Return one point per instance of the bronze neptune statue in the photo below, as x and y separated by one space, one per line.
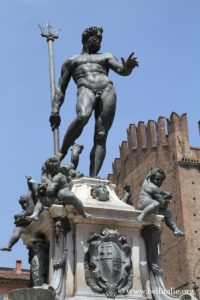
95 92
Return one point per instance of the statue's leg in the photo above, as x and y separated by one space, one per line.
169 221
76 150
104 115
37 210
66 196
14 238
84 108
149 209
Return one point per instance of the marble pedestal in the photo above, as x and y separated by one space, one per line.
68 281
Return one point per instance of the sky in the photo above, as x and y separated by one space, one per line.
164 34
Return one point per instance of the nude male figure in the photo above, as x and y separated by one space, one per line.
95 92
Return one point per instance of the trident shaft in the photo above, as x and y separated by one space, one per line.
50 36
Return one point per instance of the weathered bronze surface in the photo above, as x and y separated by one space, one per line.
128 197
151 235
89 70
54 188
27 202
153 200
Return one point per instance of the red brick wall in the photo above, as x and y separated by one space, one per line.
189 179
165 144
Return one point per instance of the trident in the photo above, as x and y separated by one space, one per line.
50 37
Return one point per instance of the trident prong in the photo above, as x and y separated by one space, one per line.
46 31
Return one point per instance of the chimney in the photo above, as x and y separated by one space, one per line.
18 266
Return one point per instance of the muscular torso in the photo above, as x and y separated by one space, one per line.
90 70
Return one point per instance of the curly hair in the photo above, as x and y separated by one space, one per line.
49 162
91 31
154 171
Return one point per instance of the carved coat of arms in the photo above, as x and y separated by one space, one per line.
108 265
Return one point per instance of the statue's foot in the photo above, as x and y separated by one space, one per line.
87 216
178 232
6 249
77 149
32 218
140 218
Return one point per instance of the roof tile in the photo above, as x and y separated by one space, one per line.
9 273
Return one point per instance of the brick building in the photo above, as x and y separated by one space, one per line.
165 144
13 278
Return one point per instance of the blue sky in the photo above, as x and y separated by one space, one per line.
164 34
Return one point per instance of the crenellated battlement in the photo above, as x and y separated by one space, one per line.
155 134
159 140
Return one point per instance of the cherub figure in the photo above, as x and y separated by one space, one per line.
54 188
27 203
152 200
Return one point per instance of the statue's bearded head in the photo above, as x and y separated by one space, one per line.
91 39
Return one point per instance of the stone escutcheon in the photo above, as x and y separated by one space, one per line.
108 265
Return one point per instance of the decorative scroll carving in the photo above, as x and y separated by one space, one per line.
61 228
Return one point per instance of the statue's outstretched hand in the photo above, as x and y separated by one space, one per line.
54 120
130 63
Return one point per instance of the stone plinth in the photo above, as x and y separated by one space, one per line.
111 215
